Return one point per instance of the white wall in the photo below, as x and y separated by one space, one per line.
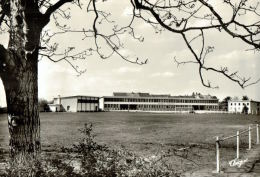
53 107
101 103
71 102
55 101
237 106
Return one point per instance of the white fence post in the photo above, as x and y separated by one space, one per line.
217 155
249 138
257 134
237 144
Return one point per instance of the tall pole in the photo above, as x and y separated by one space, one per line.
249 138
237 144
257 134
217 155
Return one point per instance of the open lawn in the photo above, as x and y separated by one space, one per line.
143 133
123 128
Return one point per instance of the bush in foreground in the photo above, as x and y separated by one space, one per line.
88 158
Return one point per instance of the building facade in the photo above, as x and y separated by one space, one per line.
75 104
149 102
244 106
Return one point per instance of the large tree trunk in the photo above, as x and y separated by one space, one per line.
23 116
19 73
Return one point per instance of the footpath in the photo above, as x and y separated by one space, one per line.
250 167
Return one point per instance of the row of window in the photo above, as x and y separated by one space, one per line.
239 104
86 107
146 106
153 106
155 109
87 101
158 100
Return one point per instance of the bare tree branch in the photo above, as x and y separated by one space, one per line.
5 10
55 7
175 16
166 14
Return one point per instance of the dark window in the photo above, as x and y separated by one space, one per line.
87 101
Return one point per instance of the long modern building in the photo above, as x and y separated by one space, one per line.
150 102
244 106
75 104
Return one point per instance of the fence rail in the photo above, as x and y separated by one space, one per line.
237 135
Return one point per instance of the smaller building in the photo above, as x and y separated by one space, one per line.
75 104
244 106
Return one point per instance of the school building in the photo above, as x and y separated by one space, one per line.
150 102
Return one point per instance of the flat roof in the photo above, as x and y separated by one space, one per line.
164 97
243 101
76 96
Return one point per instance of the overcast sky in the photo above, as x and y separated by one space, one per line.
159 76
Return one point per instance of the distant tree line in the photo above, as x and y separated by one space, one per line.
245 97
3 110
43 105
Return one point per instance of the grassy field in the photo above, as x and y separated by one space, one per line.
143 133
122 128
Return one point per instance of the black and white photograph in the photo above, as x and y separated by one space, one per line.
129 88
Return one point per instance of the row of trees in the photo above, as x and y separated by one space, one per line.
24 22
42 104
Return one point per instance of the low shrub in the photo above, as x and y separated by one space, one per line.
88 158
